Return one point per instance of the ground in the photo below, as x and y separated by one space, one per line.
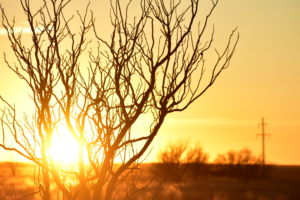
282 183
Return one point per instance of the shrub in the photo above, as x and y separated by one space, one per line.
197 161
242 165
177 159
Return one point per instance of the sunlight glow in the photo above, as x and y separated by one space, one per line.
64 148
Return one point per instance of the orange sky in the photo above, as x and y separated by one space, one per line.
263 80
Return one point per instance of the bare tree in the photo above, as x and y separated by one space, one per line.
227 162
172 161
197 161
242 164
152 63
177 159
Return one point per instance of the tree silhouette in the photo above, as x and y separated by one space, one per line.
197 161
242 164
172 161
151 64
176 159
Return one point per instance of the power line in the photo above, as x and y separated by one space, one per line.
263 134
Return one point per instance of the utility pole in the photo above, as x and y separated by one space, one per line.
263 134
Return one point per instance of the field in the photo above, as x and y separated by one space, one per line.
282 183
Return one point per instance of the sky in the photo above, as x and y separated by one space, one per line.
262 81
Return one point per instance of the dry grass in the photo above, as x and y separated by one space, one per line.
283 184
18 185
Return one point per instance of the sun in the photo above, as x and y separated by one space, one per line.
64 148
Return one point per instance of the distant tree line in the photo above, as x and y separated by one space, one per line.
240 164
178 161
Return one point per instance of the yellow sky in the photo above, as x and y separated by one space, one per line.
263 80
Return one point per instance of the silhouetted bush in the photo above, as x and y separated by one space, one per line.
196 161
172 165
242 165
177 159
